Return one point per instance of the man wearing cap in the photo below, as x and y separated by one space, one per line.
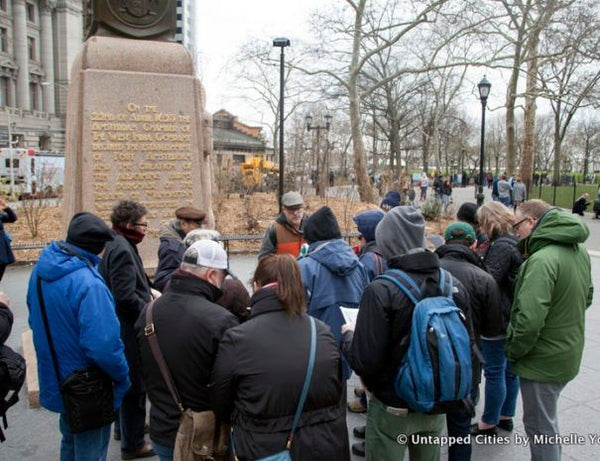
83 326
171 248
189 326
285 235
381 336
458 258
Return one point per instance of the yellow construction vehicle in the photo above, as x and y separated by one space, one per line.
254 170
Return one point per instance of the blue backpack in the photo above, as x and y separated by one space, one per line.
435 373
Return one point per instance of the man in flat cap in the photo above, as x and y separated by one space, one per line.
83 326
285 235
171 248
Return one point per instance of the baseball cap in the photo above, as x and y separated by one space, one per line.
460 231
207 253
292 198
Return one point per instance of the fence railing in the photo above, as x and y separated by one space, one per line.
226 239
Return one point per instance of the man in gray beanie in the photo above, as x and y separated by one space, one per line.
381 337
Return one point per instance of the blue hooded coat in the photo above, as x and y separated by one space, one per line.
83 324
332 276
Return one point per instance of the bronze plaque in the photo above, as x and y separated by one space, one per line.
135 18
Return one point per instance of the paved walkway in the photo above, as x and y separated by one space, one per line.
33 433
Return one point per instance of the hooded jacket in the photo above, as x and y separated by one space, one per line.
7 215
261 395
545 336
332 276
82 321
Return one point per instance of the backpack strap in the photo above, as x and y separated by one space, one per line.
404 282
446 283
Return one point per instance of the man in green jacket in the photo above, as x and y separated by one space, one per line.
546 332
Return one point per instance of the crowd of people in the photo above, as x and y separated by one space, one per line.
261 374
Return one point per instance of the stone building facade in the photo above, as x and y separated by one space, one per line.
39 40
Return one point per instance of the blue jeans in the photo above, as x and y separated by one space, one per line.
164 453
90 445
458 422
501 385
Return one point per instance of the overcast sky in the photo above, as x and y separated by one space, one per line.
224 26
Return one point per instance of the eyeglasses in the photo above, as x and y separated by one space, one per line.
517 224
141 224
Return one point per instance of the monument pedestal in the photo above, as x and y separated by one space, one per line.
136 130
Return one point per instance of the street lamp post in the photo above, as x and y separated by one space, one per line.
281 42
484 90
324 174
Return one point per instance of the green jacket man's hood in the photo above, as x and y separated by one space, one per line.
555 226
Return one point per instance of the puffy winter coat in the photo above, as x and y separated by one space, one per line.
502 260
6 255
282 237
546 332
332 276
82 321
170 253
258 378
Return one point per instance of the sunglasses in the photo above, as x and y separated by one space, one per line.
517 224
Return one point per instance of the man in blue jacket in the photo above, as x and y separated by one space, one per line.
83 326
331 273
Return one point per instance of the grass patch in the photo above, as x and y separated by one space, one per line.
565 195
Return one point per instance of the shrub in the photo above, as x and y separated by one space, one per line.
431 209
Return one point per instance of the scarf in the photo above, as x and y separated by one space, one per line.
132 235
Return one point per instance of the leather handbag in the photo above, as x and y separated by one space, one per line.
284 455
88 394
200 436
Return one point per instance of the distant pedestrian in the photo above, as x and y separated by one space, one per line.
83 328
581 204
123 270
446 194
546 332
423 185
285 235
261 396
519 193
504 191
7 215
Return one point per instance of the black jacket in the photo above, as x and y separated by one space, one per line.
464 264
6 322
170 255
382 332
124 274
188 326
502 260
258 379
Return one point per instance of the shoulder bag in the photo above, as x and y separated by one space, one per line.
284 455
200 436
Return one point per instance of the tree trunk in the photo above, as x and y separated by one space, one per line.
530 111
365 190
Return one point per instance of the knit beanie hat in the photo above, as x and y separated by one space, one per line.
321 225
401 230
367 222
392 199
467 213
88 232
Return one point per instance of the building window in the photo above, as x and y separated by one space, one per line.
31 48
34 96
30 12
237 159
3 39
44 142
4 91
3 5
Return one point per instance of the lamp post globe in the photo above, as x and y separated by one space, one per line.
484 87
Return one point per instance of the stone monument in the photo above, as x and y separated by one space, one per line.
136 124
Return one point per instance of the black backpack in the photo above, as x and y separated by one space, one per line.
12 377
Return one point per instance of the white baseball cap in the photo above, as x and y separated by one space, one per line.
206 253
